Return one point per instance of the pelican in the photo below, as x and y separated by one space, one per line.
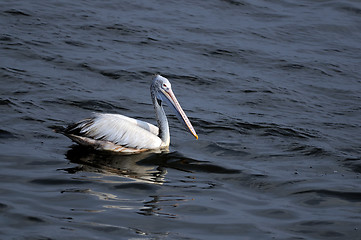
118 133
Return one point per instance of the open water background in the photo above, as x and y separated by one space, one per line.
273 89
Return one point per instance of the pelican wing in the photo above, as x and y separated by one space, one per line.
119 130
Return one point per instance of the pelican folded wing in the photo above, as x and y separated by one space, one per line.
120 130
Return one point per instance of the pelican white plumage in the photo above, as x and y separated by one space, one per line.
115 132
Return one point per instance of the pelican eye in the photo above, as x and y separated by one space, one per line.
164 85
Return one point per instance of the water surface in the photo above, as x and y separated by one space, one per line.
271 87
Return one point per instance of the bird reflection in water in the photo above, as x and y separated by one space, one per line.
147 166
143 168
137 167
158 203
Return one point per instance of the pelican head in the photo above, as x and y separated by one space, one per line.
162 90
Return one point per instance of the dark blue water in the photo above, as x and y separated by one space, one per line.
273 89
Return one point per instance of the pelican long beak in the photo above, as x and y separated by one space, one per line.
172 101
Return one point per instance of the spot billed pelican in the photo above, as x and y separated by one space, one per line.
118 133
